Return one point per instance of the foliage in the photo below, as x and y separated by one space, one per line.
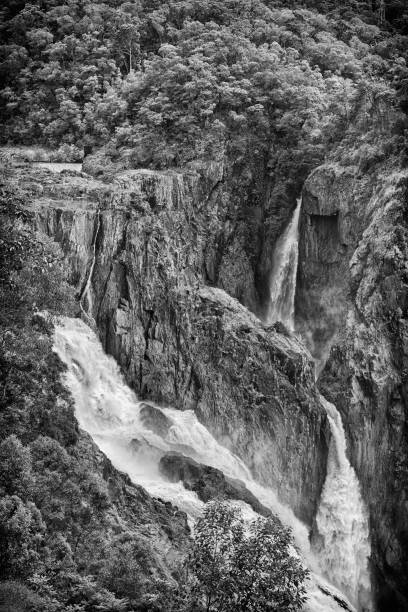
15 468
269 87
239 567
17 597
52 509
21 534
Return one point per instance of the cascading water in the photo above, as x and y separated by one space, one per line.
87 291
341 538
282 285
110 412
342 534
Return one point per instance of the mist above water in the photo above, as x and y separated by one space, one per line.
341 539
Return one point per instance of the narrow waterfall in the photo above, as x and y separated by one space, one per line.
282 284
87 293
342 541
112 414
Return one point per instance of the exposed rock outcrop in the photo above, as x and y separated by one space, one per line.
208 482
334 216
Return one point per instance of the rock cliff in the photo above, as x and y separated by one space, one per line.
352 302
148 240
159 273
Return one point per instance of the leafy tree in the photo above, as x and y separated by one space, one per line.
124 570
17 597
243 568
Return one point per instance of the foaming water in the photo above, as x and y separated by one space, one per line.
111 413
282 285
342 539
341 534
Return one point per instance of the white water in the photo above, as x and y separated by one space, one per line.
343 545
341 541
111 413
282 284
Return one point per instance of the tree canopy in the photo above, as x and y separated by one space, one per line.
162 84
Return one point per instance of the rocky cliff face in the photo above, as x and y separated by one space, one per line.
150 241
352 300
154 256
334 216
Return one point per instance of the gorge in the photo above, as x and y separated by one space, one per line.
108 246
204 306
109 411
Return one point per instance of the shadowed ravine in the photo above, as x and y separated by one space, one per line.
109 410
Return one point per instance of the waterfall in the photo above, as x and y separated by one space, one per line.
86 293
342 533
111 413
282 286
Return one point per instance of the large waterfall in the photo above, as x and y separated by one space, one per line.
341 538
282 284
111 413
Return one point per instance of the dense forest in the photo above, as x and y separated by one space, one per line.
275 84
165 83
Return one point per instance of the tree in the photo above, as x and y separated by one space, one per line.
15 468
241 568
21 535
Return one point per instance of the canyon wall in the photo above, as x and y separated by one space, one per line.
179 341
162 268
352 308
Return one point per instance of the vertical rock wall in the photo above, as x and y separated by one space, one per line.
352 300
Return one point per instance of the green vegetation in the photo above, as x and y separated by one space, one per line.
49 502
59 526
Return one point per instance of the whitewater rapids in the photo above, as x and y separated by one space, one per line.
110 412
